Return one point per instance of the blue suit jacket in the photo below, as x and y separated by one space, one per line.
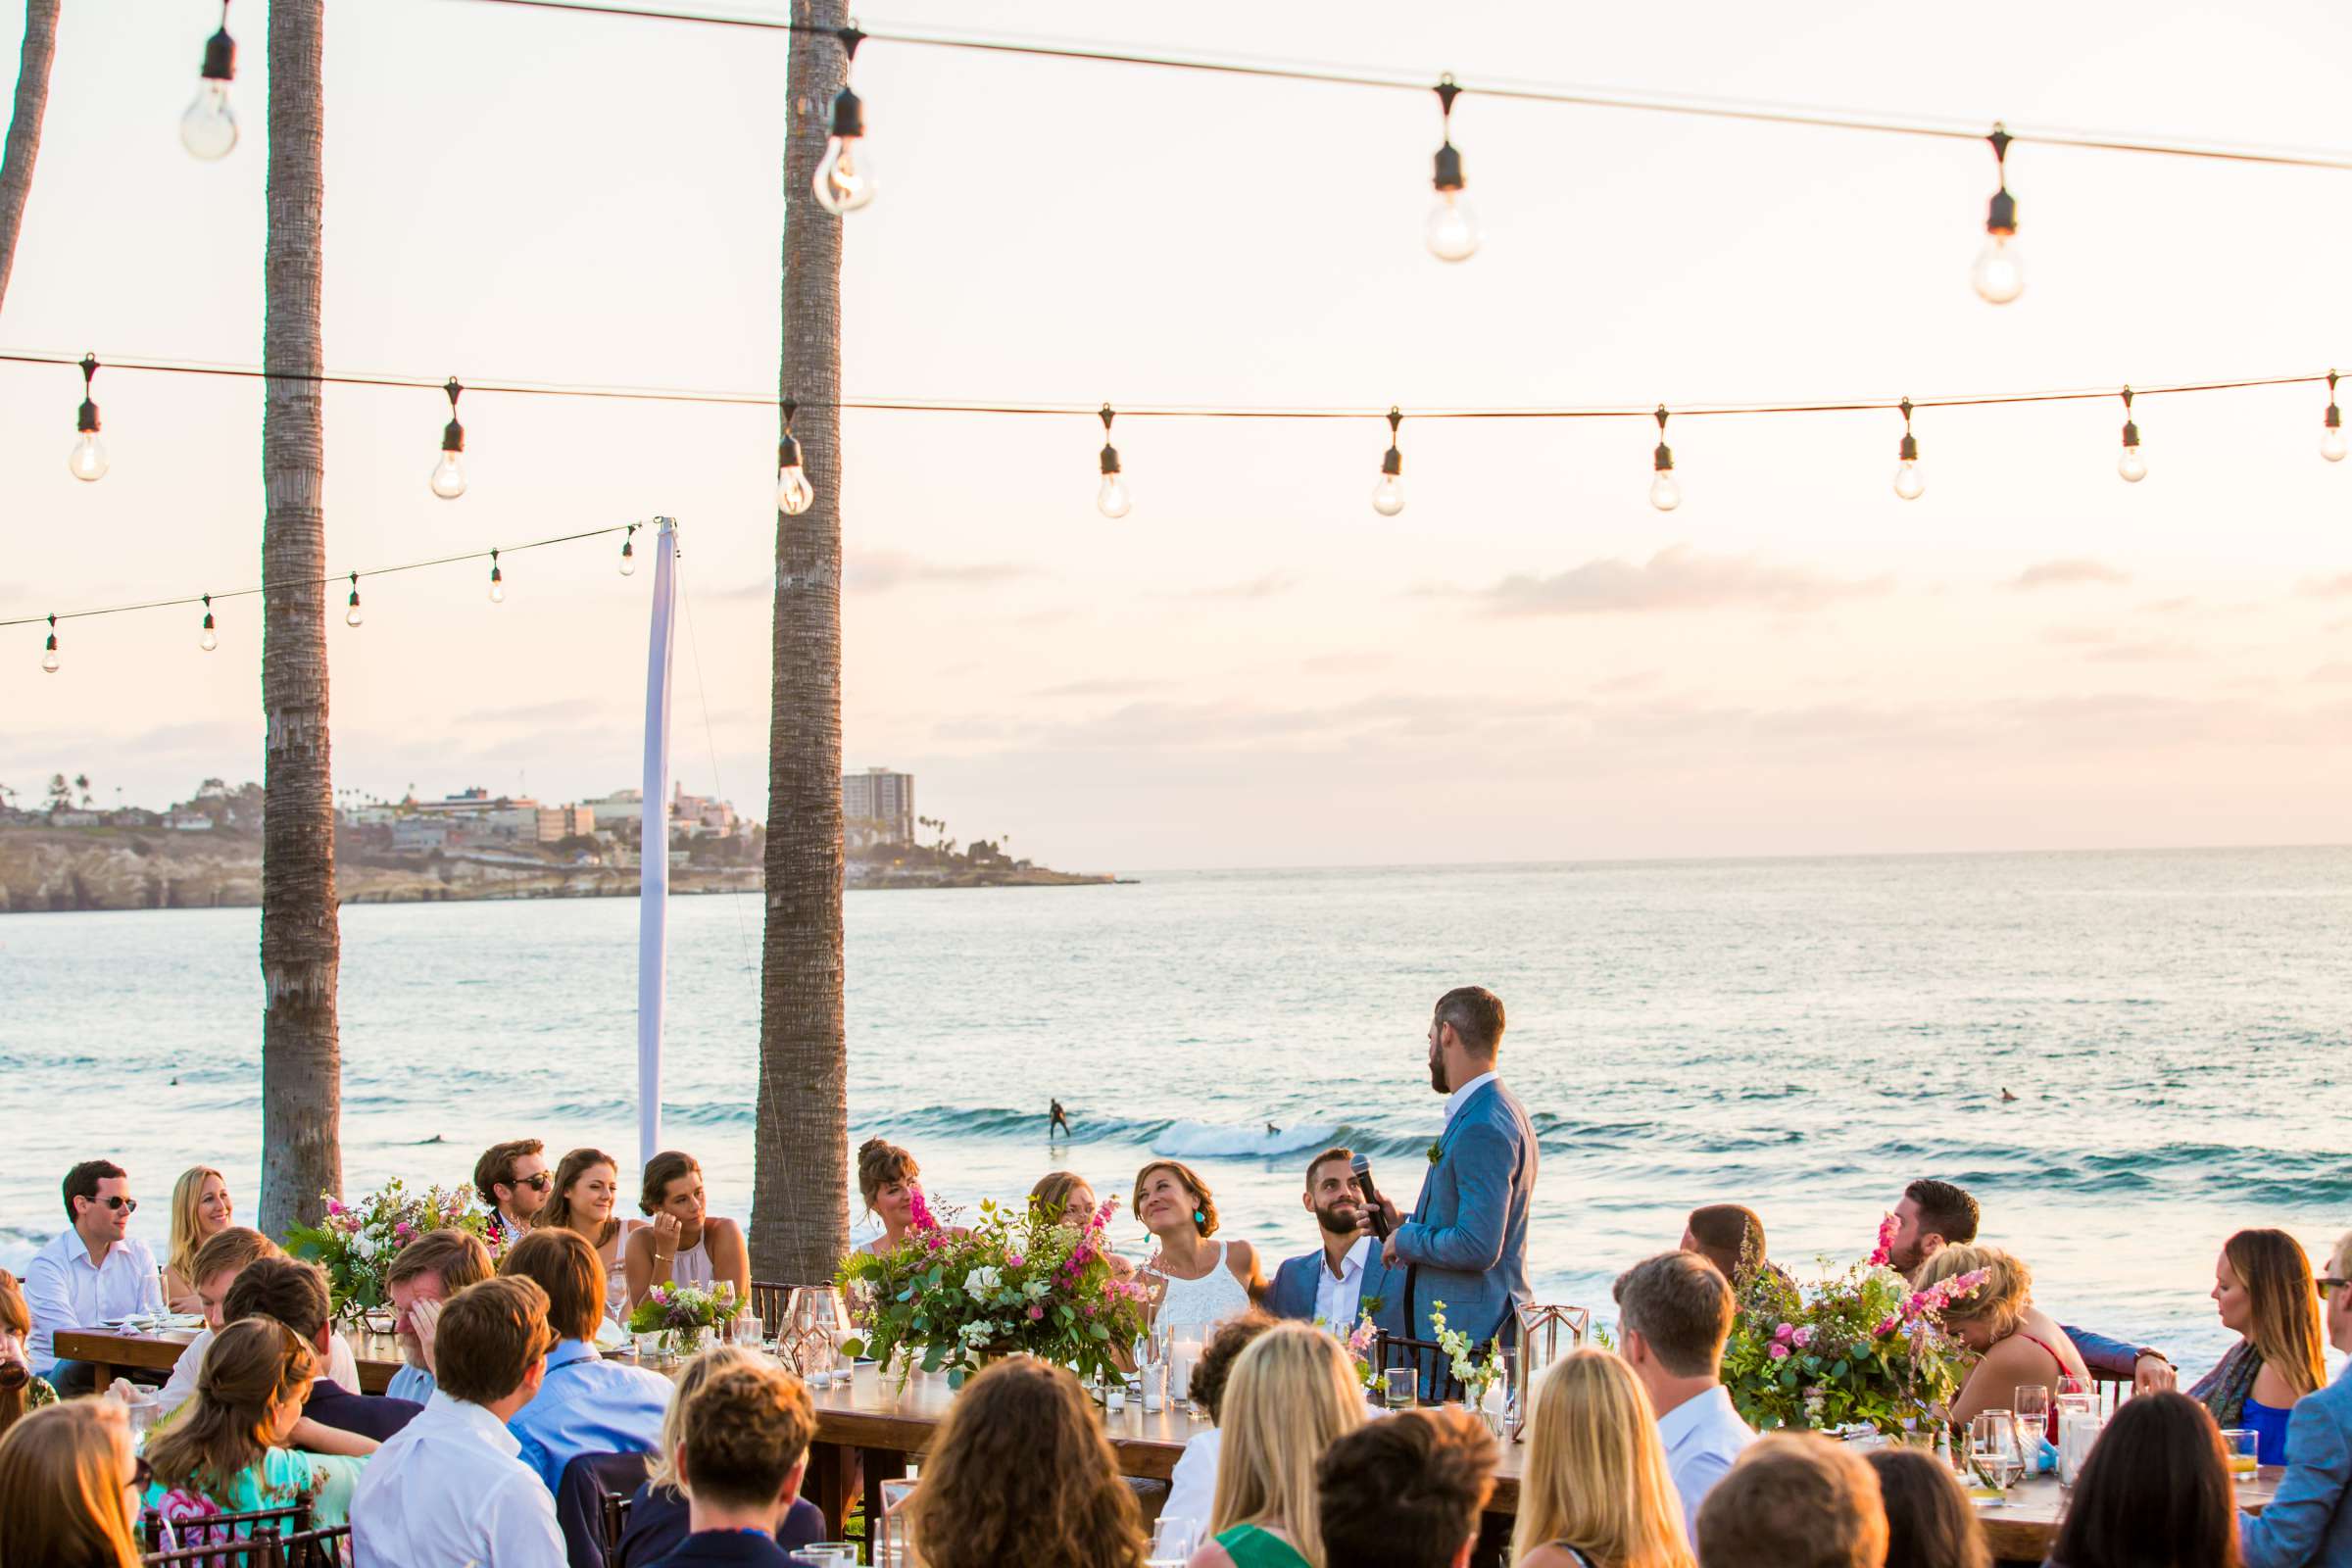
2310 1519
1292 1292
1467 1238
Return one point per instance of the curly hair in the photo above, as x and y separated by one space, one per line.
1216 1365
1020 1472
879 1163
1999 1303
1204 1202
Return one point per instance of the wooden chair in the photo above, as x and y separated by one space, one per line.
258 1549
767 1303
314 1548
617 1523
1424 1356
2109 1392
221 1527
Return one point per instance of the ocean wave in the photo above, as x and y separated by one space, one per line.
1195 1140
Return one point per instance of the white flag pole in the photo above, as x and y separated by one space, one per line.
652 892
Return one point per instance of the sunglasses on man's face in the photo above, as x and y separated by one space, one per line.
128 1206
538 1184
2328 1287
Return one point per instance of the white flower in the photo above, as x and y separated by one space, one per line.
363 1244
980 1283
1036 1289
978 1334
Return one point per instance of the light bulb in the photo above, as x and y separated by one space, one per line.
498 587
2131 466
2331 443
1664 492
1451 233
449 477
1111 498
794 493
845 180
209 129
1999 274
351 616
1909 482
208 639
628 558
1387 496
49 659
89 460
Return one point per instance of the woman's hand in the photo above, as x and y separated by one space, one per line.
665 1239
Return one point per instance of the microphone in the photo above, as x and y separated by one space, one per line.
1361 1167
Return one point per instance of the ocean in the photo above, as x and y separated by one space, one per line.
1803 1035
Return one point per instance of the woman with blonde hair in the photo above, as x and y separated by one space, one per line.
1020 1472
1289 1395
227 1452
587 1190
72 1481
2263 1289
1595 1491
2017 1344
200 1209
657 1513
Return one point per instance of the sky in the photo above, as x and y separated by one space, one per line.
1252 667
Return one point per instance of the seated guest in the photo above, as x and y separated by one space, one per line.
512 1180
90 1273
227 1452
216 1267
1794 1501
2262 1285
425 1273
295 1293
200 1210
739 1461
587 1188
2154 1494
1063 1193
1728 1236
657 1513
1407 1492
2016 1343
1595 1492
20 1393
1673 1313
683 1244
586 1404
1929 1523
1191 1489
889 1181
1020 1472
1196 1279
2309 1518
1291 1394
72 1484
448 1487
1336 1281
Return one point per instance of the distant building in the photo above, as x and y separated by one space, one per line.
700 816
183 820
620 810
565 822
878 807
421 833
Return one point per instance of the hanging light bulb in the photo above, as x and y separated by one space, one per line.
351 615
1999 274
1451 233
628 552
1909 482
2331 436
449 475
208 639
2131 466
49 658
88 460
845 180
1110 497
498 581
208 129
794 493
1387 496
1664 492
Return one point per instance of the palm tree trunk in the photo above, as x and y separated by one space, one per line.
24 126
302 1064
800 1184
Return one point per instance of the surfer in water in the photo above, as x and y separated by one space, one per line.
1273 1131
1060 1123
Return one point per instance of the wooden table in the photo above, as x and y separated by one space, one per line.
2025 1527
113 1351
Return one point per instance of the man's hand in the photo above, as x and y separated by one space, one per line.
1363 1217
422 1316
1388 1253
2153 1374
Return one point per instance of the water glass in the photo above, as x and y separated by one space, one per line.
746 1330
1993 1454
2078 1430
829 1554
2033 1412
1398 1384
1155 1378
2243 1445
893 1535
1173 1541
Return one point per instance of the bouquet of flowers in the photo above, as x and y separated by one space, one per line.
679 1313
1016 1281
356 1242
1475 1376
1860 1347
1357 1343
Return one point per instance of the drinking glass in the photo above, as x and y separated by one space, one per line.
1173 1541
1397 1386
746 1330
892 1538
1993 1452
829 1554
2078 1430
2243 1445
1154 1376
2033 1413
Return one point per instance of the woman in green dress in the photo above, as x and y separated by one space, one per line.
226 1454
1289 1394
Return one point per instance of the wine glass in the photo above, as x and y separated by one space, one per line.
1173 1541
1993 1452
2033 1413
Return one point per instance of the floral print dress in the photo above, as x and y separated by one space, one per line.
283 1478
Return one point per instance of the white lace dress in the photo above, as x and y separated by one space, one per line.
1207 1300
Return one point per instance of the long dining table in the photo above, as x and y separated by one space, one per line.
869 1429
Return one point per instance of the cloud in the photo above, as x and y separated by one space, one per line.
1101 688
1676 578
1265 587
2334 587
2073 571
571 707
878 571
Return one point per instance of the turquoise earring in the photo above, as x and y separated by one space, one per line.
1200 1218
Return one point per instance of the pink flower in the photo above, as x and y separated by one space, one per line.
1885 1252
1087 1308
1803 1337
1012 1260
1780 1352
1783 1332
1888 1325
921 1210
1036 1312
334 1205
1111 1206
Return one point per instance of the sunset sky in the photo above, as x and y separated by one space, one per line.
1250 667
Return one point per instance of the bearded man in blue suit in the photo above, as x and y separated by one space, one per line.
1346 1277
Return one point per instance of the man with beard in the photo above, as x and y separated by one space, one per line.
1346 1276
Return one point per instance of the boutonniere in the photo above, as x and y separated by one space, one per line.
1436 1146
1372 1304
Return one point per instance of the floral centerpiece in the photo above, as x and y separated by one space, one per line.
1858 1348
1358 1343
356 1242
948 1298
1476 1377
686 1316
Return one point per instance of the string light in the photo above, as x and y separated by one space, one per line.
1664 492
88 460
498 581
1999 274
1110 497
351 615
449 475
2331 436
1909 482
845 180
49 658
1387 496
628 552
1451 233
2131 466
794 493
208 639
209 130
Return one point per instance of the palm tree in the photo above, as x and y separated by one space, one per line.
301 1065
24 126
801 1179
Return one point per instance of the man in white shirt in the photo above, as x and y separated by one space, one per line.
447 1488
92 1272
1673 1311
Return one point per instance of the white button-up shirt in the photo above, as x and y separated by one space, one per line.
65 1289
1703 1436
1455 1100
447 1488
1336 1298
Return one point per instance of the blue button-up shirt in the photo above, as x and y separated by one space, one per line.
587 1404
411 1383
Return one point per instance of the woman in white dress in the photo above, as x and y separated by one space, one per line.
684 1244
1193 1279
587 1190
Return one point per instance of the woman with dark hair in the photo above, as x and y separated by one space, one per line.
1929 1521
2154 1494
73 1482
684 1244
20 1393
1064 1194
890 1181
1728 1236
2262 1286
587 1190
1194 1280
1020 1472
